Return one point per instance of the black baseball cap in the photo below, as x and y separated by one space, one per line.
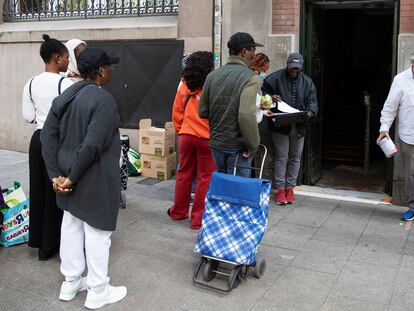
295 60
241 40
91 59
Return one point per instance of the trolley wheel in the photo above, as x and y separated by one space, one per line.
259 267
235 276
208 273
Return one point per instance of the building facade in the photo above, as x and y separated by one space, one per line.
352 50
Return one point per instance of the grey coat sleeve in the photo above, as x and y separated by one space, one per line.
102 126
311 101
49 137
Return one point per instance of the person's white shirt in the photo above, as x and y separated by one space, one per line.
45 87
400 101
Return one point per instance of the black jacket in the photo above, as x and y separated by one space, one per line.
278 83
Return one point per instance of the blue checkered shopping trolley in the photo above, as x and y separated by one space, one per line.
234 223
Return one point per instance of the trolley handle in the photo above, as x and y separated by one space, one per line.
252 168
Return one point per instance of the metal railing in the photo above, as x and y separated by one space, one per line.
29 10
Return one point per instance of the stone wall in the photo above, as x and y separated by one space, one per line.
195 24
20 43
20 60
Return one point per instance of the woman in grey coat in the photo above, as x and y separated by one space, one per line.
81 152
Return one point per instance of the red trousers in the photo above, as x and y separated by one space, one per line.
195 159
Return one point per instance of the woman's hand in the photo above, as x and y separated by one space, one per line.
62 184
65 182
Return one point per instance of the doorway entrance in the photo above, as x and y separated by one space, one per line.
349 50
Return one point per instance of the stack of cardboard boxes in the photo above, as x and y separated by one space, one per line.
157 148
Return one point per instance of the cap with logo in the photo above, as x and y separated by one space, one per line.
295 60
241 40
91 59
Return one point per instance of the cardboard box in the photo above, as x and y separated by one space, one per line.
158 167
155 140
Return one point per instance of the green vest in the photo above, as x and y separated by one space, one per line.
225 87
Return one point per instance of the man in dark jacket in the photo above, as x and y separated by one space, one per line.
297 90
228 101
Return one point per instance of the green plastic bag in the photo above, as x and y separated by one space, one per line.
13 196
134 163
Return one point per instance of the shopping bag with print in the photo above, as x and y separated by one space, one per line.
15 225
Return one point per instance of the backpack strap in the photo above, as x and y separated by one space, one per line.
69 101
186 101
30 89
60 85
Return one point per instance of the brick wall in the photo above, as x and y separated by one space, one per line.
285 16
407 16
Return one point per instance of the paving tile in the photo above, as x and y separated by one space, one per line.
339 232
43 278
402 298
317 202
372 253
409 249
14 299
389 211
21 254
349 304
387 238
351 215
343 226
290 236
358 208
275 216
251 291
297 289
364 281
276 255
309 215
323 256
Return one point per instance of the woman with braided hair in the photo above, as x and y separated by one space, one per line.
260 66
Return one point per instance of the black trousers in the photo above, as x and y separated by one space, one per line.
45 217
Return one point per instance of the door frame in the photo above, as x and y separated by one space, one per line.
305 48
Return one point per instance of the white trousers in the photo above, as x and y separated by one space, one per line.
82 243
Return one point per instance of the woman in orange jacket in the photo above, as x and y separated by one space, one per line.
195 157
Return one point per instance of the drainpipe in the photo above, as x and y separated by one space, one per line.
367 140
217 17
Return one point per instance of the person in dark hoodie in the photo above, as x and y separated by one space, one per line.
81 152
297 90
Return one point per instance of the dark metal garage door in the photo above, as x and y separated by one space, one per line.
145 81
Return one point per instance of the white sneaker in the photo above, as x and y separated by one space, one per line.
111 294
68 290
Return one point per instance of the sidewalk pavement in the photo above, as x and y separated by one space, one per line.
321 255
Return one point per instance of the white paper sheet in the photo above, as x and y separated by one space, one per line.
282 106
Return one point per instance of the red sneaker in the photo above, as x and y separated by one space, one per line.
281 196
290 196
